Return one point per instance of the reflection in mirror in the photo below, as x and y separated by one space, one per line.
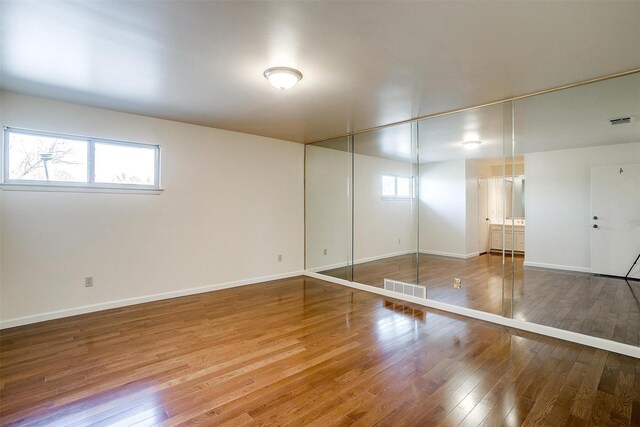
581 151
457 220
516 210
385 214
462 208
511 232
328 223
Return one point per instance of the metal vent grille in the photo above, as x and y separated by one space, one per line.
405 288
621 120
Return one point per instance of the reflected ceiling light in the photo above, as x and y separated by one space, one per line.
282 77
471 145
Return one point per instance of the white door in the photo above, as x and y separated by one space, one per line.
615 219
483 215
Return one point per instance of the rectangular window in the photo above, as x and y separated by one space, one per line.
397 187
42 158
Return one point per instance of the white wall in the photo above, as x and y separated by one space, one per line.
471 200
449 208
328 208
379 224
558 203
1 210
231 203
443 208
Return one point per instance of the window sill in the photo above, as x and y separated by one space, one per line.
79 189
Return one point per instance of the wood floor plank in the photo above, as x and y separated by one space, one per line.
301 351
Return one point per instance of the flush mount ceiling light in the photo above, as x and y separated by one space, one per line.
283 77
471 145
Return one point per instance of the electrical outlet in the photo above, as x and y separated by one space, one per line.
457 283
279 258
88 282
325 251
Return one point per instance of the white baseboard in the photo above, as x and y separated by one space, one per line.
451 254
562 334
35 318
557 267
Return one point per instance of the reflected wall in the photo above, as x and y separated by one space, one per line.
385 206
328 208
462 206
582 209
527 209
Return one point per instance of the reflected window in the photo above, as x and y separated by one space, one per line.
397 187
403 187
388 186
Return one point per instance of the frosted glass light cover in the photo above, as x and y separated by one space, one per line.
471 145
283 77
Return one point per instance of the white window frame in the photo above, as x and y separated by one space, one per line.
90 182
395 184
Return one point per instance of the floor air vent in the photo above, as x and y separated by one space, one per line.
405 288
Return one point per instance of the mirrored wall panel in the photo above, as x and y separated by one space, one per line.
385 208
463 201
527 209
581 149
328 208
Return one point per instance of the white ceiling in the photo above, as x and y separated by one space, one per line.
441 138
364 63
571 118
579 117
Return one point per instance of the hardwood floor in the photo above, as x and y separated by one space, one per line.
303 352
604 307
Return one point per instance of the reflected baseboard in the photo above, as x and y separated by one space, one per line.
556 267
328 267
391 255
360 261
600 343
451 254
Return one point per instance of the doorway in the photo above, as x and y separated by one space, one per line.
615 220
